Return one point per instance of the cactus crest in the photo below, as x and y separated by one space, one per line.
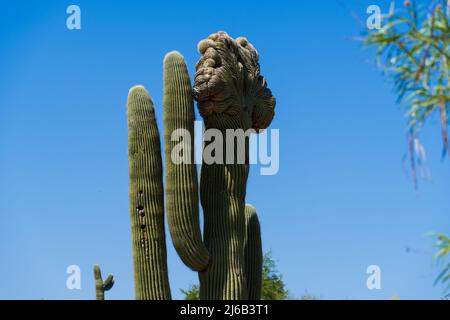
228 84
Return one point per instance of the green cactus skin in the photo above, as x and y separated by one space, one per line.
146 199
230 94
181 178
100 285
253 254
222 195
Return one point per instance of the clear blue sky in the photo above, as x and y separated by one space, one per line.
341 201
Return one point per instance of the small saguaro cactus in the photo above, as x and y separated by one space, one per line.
102 285
231 94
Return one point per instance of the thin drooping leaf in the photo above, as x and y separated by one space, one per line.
412 49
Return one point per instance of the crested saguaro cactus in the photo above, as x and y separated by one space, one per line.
102 285
231 95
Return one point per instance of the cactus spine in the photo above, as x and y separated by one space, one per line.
253 254
102 285
181 177
146 199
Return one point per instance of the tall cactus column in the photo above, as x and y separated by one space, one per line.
146 199
181 171
231 95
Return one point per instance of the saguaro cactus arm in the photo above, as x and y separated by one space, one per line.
102 285
253 253
181 171
146 199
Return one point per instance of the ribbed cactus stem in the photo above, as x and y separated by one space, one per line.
146 199
222 194
102 285
181 171
253 254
